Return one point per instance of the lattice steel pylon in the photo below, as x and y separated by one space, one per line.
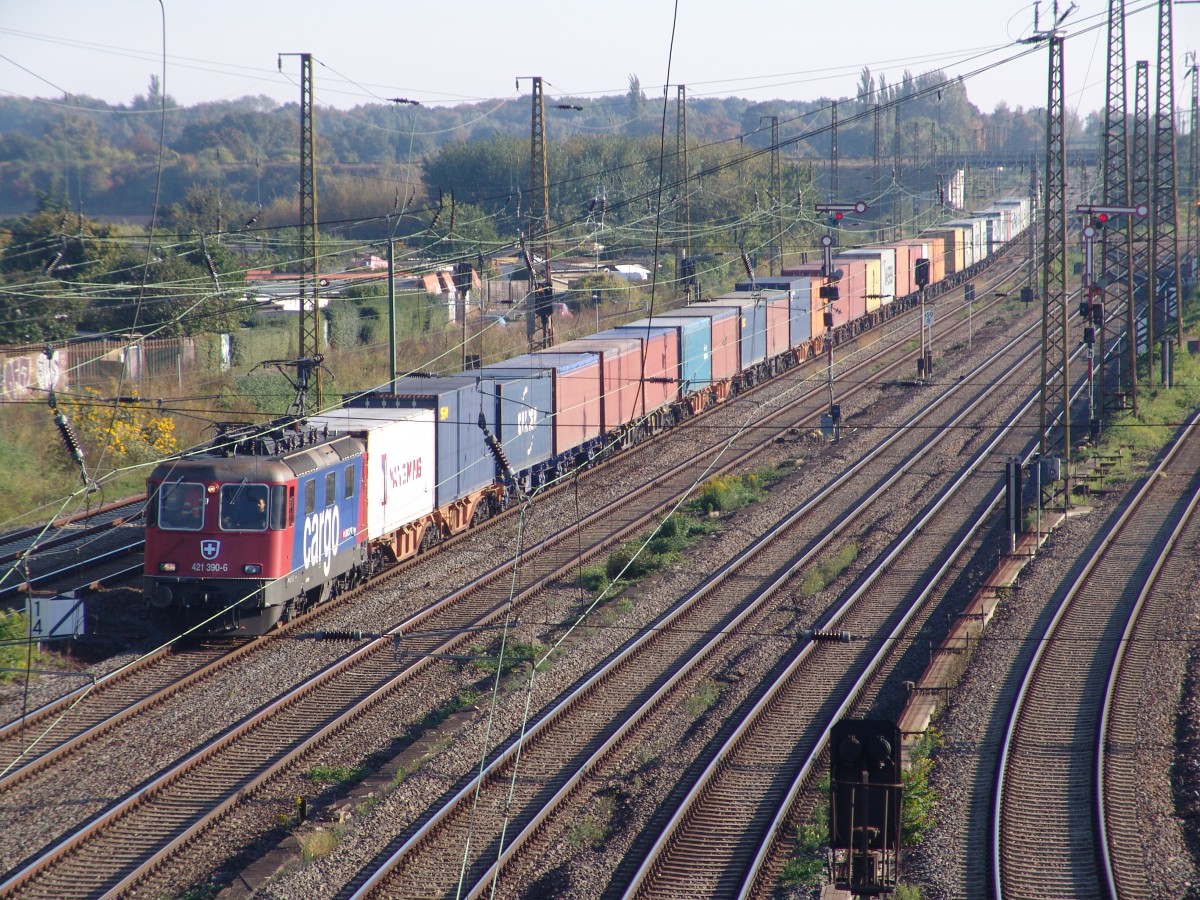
309 351
1165 282
684 210
1055 358
776 201
1117 239
834 188
539 218
1139 227
1193 191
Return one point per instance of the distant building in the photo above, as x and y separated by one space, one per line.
369 261
630 272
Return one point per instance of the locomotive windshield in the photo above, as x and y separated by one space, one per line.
181 506
244 507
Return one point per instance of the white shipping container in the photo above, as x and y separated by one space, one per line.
400 463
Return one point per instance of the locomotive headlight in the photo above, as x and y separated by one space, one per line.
252 568
167 567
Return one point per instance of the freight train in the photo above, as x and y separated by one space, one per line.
271 520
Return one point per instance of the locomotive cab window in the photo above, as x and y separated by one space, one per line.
349 482
310 496
181 506
279 507
330 488
244 507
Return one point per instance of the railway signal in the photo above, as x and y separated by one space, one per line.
1091 301
835 211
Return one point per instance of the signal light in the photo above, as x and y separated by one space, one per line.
1099 220
921 272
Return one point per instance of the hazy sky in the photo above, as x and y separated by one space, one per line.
442 52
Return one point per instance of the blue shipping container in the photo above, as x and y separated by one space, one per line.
524 407
464 463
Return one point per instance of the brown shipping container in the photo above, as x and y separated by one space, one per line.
948 245
872 290
725 325
852 302
661 367
620 376
779 327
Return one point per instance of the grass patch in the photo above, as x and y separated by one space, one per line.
206 891
725 493
593 830
323 774
319 843
827 570
708 692
516 655
1160 410
637 559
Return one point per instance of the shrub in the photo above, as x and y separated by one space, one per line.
15 652
123 432
916 813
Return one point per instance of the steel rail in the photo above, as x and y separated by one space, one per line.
1107 542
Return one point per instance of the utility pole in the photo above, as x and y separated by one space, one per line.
1193 192
541 291
1140 229
1116 247
829 293
1056 358
1164 242
776 199
1091 306
876 187
310 306
684 210
834 189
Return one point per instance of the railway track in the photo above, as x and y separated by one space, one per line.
496 814
433 625
1061 820
49 556
138 687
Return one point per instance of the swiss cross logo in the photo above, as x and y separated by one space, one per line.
210 549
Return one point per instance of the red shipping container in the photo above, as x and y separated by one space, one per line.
779 329
852 291
661 355
620 377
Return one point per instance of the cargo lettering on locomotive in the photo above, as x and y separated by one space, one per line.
322 533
